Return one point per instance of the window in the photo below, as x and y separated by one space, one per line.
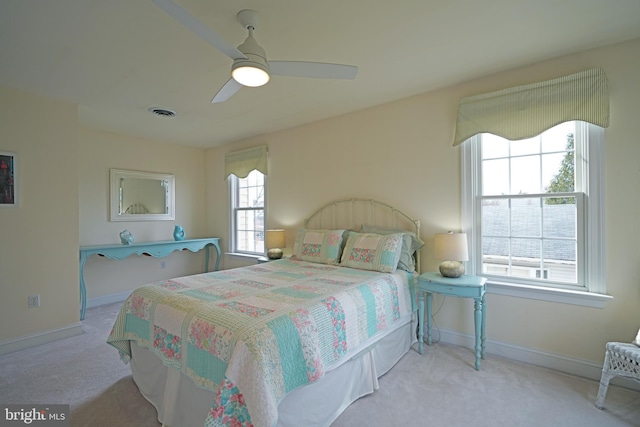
247 213
533 208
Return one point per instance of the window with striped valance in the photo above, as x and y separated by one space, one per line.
525 111
241 163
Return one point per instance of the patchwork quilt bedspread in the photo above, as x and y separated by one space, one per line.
253 334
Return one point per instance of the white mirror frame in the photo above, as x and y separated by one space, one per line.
116 175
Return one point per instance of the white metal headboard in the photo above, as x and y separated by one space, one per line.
351 214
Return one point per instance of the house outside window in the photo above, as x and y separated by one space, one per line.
247 213
533 208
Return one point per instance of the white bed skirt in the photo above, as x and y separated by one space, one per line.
181 404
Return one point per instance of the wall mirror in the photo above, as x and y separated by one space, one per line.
141 196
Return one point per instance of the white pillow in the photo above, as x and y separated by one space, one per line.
637 340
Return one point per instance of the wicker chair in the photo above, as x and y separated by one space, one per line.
621 359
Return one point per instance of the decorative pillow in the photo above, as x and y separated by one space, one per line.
410 244
637 340
320 246
369 251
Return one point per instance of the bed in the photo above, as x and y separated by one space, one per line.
290 342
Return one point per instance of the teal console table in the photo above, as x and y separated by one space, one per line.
154 249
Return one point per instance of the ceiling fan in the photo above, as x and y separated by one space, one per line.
250 66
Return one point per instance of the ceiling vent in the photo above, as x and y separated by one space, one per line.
162 112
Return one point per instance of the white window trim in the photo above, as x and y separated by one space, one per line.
594 227
233 182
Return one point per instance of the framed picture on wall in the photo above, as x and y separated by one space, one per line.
8 179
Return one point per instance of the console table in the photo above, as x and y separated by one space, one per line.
154 249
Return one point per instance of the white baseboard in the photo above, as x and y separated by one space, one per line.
28 341
107 299
577 367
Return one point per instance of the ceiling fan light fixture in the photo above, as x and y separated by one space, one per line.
249 73
250 66
253 70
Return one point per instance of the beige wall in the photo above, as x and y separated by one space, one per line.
98 152
401 153
64 184
39 239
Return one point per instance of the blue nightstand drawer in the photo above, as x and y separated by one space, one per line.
451 290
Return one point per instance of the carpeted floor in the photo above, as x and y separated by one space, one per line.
439 388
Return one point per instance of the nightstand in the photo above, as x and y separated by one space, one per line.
465 287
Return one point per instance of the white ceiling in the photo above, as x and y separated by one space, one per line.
118 58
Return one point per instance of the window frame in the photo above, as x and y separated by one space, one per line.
590 159
233 208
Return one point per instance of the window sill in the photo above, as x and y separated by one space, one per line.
244 256
585 299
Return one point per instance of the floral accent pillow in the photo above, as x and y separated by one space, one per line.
410 244
320 246
370 251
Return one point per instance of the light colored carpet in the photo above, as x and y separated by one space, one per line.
439 388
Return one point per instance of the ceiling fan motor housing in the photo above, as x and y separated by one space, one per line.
255 58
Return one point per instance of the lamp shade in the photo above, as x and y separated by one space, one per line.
275 239
451 247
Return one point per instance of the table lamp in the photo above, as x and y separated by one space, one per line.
451 248
275 241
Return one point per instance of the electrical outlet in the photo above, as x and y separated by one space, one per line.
34 301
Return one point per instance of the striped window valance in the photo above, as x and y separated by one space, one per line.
241 163
525 111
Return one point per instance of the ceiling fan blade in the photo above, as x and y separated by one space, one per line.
205 33
226 91
316 70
